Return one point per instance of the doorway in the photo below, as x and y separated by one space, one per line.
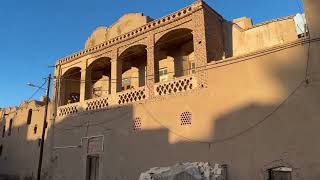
93 168
280 173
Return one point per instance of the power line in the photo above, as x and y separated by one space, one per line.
198 68
35 93
299 5
237 134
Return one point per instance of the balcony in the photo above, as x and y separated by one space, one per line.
178 85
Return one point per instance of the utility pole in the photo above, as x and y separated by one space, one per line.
44 128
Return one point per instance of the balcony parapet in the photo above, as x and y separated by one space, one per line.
97 103
177 85
68 109
132 95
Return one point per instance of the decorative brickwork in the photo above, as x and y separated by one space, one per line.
186 118
98 103
68 109
179 85
132 95
190 18
137 124
141 30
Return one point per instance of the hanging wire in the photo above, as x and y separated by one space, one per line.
197 69
32 96
259 122
217 140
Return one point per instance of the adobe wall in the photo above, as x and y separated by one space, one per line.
245 113
242 41
20 153
125 24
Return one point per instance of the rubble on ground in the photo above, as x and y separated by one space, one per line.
186 171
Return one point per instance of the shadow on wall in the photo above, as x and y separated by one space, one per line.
250 139
20 155
127 150
228 37
257 137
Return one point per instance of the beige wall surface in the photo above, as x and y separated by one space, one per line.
262 36
20 152
126 23
257 113
251 112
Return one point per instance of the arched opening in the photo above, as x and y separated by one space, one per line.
98 80
133 62
174 55
70 86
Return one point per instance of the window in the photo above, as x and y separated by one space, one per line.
126 83
280 173
3 130
1 149
29 116
10 127
35 129
163 74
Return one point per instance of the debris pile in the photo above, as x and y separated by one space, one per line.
186 171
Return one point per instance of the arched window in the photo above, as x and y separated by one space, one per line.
174 56
98 81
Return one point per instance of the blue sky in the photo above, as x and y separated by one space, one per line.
34 34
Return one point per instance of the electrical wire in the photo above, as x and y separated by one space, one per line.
203 67
299 5
266 117
215 141
33 94
98 124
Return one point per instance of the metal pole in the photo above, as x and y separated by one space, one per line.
44 129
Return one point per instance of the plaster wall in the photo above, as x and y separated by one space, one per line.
20 153
251 113
229 113
125 24
262 36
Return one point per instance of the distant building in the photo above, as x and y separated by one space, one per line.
187 87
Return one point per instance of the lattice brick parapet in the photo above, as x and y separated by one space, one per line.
132 95
68 109
98 103
178 85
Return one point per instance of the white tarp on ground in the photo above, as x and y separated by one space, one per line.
185 171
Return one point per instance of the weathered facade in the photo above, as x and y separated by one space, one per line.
21 129
189 87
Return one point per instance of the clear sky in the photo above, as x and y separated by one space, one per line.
35 33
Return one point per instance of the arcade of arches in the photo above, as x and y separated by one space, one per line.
173 57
